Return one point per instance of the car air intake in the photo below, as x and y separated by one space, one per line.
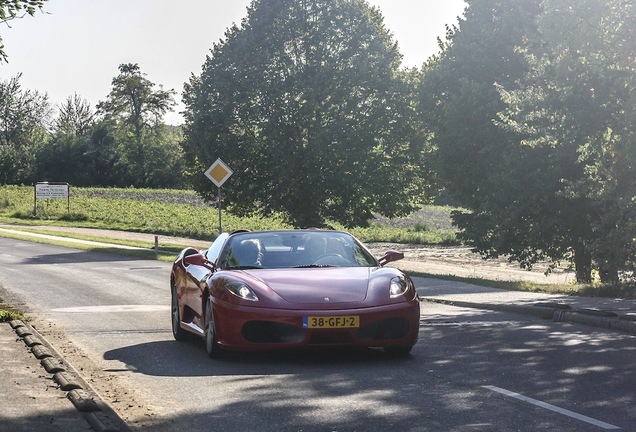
271 332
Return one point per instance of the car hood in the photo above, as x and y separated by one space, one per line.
318 285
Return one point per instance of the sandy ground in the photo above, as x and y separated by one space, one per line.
461 261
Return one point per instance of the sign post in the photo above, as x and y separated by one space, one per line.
218 172
51 190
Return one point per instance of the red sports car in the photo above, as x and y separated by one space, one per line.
292 288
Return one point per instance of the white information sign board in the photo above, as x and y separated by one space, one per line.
51 191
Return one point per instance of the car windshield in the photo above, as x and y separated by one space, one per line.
294 249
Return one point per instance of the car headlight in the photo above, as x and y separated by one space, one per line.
241 290
398 286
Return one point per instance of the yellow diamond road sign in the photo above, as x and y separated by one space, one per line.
218 172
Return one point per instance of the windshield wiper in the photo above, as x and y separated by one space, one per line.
314 266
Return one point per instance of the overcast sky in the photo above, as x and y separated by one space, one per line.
77 46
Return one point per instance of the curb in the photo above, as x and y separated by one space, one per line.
557 312
609 320
94 410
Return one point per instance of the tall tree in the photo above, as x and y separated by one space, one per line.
15 9
23 131
577 107
306 102
135 110
477 163
542 153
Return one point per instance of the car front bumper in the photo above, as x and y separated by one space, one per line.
253 328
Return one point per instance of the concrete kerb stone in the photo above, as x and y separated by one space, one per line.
556 312
66 381
608 321
537 311
82 400
100 417
52 365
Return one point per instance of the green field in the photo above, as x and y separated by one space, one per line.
183 214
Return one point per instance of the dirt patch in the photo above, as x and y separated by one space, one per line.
461 261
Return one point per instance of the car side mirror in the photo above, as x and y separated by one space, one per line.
390 256
199 260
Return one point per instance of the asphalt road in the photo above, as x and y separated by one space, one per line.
472 370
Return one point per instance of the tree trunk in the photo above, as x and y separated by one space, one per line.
582 264
609 275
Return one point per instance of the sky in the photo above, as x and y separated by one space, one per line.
76 46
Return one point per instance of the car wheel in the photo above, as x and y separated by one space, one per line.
211 346
398 351
178 333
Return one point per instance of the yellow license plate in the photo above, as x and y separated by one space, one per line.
327 322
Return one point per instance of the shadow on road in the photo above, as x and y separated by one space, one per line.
189 359
104 255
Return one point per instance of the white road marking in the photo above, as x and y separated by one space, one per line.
113 308
550 407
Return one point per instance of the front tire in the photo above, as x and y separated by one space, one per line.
178 333
211 347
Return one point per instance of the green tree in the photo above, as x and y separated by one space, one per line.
477 163
103 156
15 9
578 108
23 131
75 117
532 114
306 102
82 151
134 111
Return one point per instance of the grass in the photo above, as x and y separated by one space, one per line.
184 214
9 314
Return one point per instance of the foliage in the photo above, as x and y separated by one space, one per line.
576 109
12 9
474 159
9 314
125 143
537 94
90 158
148 152
458 98
75 117
305 102
23 118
